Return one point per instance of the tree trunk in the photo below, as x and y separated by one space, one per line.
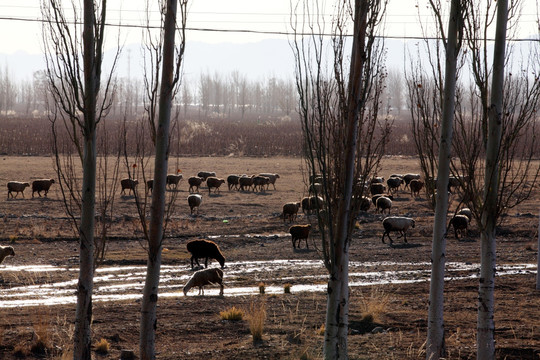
83 316
485 325
150 292
538 256
435 347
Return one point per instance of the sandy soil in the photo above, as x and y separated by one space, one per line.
191 328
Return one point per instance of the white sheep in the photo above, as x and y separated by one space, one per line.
272 178
384 203
398 224
205 277
194 201
290 211
17 187
41 185
6 251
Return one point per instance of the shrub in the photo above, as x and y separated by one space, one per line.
373 305
232 314
102 346
256 319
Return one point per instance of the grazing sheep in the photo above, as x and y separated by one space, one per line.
299 232
206 174
467 212
376 180
259 182
150 185
17 187
398 224
205 249
408 177
6 251
364 203
290 211
232 181
457 181
214 182
205 277
312 203
377 188
393 184
384 203
272 178
245 182
315 189
173 180
41 185
194 201
459 222
416 185
375 197
194 183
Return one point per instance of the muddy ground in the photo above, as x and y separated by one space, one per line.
248 227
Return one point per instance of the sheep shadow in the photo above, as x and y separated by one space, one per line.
215 195
127 197
404 246
302 251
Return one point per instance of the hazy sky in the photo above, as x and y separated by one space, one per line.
255 15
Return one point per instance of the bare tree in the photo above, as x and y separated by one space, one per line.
435 348
170 77
338 106
74 55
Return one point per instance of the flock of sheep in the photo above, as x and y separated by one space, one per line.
37 186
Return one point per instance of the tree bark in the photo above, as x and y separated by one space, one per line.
538 256
83 317
435 347
485 324
150 292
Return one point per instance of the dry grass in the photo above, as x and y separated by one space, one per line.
232 314
102 346
262 288
373 305
287 288
256 318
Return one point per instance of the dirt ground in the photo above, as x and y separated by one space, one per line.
191 327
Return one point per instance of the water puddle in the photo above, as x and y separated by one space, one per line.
125 283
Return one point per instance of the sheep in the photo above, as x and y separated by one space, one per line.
397 223
394 183
17 187
205 277
214 182
150 185
315 188
173 180
299 232
376 188
384 203
232 181
129 184
408 177
459 222
206 174
311 203
41 185
194 201
194 183
6 251
205 249
245 182
416 185
465 211
272 178
260 181
290 211
376 180
364 203
375 197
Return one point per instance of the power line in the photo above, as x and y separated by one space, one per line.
249 31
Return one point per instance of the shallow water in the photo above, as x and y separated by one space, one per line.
122 283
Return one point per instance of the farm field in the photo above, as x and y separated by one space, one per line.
253 237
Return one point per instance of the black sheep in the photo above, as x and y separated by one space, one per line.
205 249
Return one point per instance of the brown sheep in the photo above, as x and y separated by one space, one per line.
129 184
300 232
41 185
232 181
377 188
194 183
245 182
214 182
416 185
206 174
272 177
461 223
290 211
173 180
150 186
204 249
17 187
260 181
205 277
6 251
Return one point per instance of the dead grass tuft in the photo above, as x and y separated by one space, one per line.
373 305
233 314
256 318
102 346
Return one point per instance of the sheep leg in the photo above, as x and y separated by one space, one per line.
206 262
293 243
307 246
